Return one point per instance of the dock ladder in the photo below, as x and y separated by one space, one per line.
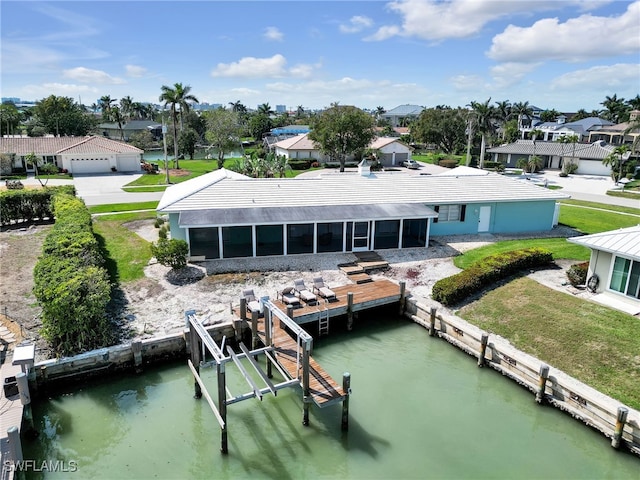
323 322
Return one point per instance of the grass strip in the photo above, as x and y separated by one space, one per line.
595 344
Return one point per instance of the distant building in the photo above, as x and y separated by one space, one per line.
402 114
281 109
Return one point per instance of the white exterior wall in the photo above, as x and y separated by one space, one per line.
593 167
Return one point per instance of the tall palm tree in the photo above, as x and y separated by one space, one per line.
485 116
126 107
503 114
579 115
238 107
634 103
615 108
522 110
535 134
178 99
105 103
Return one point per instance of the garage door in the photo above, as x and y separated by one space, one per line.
593 167
128 163
90 165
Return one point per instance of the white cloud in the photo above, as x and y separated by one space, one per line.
135 71
60 89
577 39
245 91
87 75
466 82
273 34
604 76
437 20
252 67
511 73
356 24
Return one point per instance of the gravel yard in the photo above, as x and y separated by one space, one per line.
155 305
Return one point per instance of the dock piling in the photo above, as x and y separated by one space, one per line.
403 298
222 406
349 311
346 386
432 322
194 347
15 447
254 330
483 349
621 419
542 382
136 348
25 400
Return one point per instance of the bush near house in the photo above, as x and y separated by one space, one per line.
577 274
456 288
171 253
448 163
17 206
70 282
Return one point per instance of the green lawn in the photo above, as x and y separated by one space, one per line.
595 344
127 253
122 207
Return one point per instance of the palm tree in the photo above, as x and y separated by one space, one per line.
634 103
238 107
265 109
115 115
105 103
579 115
535 133
484 115
503 113
615 108
299 112
634 126
522 110
616 160
126 107
176 98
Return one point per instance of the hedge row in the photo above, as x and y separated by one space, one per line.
18 206
454 289
71 284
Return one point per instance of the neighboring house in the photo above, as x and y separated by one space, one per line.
588 156
615 134
301 147
402 114
614 267
111 130
223 214
77 155
393 151
552 131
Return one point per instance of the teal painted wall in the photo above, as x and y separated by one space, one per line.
176 232
509 217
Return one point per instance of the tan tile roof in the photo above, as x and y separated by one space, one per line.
299 142
57 145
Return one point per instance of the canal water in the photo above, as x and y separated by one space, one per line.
419 409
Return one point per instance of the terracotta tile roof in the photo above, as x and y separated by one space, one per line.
57 145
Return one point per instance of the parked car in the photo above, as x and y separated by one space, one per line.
412 164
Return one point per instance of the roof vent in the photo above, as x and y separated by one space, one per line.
364 168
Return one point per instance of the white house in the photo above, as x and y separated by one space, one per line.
301 147
614 267
77 155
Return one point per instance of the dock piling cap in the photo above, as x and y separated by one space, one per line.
24 355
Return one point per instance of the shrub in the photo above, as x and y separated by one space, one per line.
171 253
299 164
577 274
14 185
162 233
448 163
454 289
70 283
158 223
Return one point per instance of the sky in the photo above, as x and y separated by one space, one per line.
562 54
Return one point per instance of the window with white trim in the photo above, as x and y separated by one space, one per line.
450 213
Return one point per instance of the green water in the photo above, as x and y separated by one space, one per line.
420 408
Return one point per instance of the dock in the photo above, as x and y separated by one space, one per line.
365 296
324 390
11 411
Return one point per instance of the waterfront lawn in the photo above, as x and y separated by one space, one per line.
127 253
595 344
586 217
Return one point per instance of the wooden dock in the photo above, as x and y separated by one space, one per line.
11 412
365 296
324 390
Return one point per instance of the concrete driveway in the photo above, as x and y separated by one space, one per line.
100 189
